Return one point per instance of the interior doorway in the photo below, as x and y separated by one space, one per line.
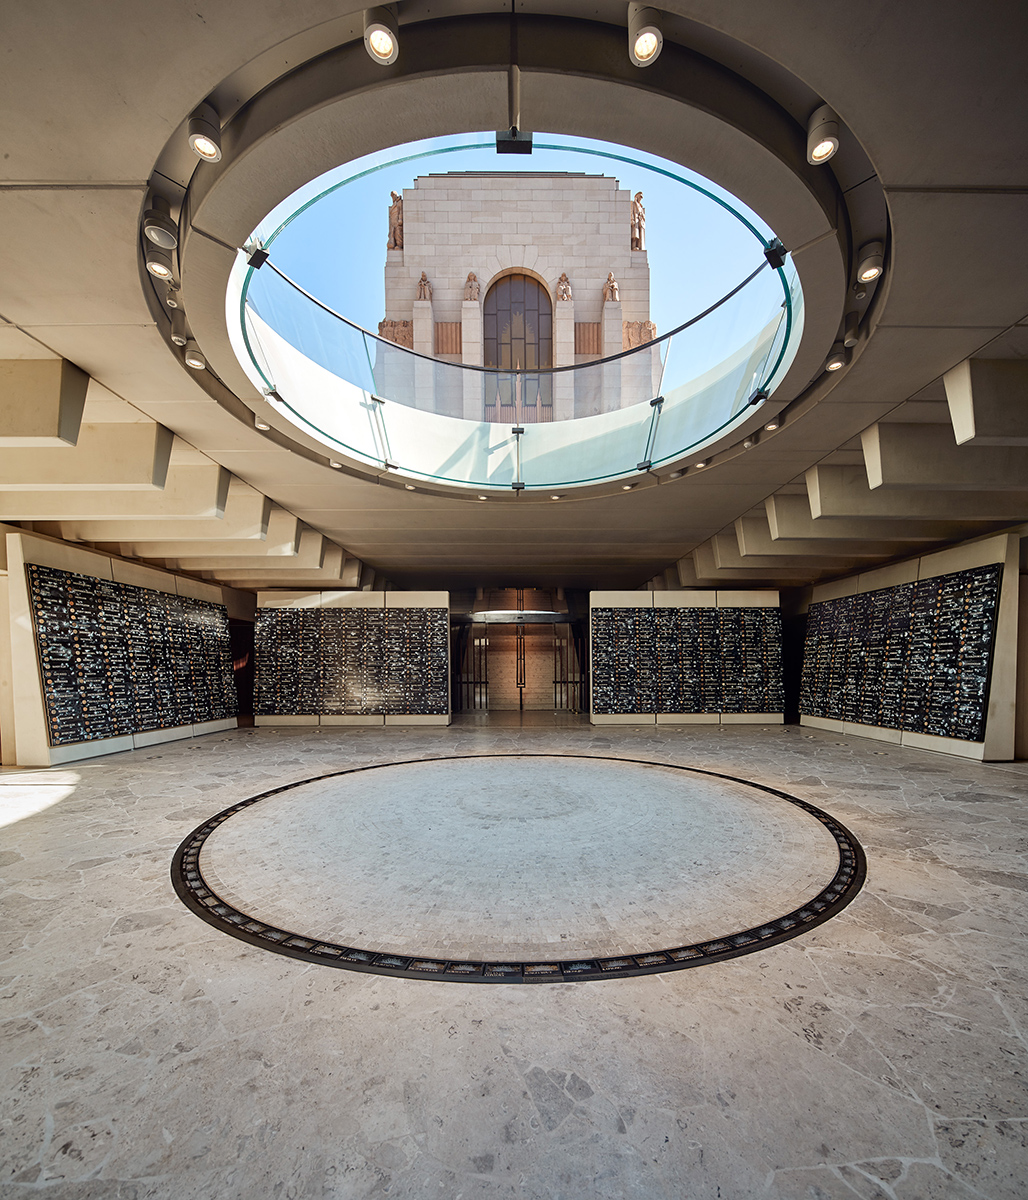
508 657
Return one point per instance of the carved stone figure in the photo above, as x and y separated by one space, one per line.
471 286
395 241
400 332
638 223
424 288
637 333
610 288
563 287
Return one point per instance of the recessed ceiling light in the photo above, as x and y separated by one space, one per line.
336 466
409 487
259 423
645 34
194 358
483 497
158 261
555 497
701 464
205 133
381 35
627 487
822 135
771 426
870 262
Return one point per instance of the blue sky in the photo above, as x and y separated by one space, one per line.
697 249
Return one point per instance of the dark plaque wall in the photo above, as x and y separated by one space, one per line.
687 660
915 657
117 659
352 661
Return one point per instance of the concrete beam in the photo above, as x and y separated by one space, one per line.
282 538
330 573
843 492
727 557
309 555
189 491
41 402
988 401
105 457
753 534
707 571
926 457
245 516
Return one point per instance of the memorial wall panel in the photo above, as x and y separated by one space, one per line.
352 661
117 659
916 657
686 660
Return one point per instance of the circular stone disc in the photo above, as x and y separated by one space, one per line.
519 857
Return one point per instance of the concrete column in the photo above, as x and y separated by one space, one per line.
424 343
471 353
564 356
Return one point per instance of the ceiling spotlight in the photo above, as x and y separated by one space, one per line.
178 327
627 487
676 475
852 330
158 225
556 497
483 497
205 133
259 424
822 135
409 487
859 290
158 262
837 359
771 426
748 444
194 359
381 35
336 466
172 295
701 464
645 34
870 261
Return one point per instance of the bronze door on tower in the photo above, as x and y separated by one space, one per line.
518 338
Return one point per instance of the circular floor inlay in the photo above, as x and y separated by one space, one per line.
518 868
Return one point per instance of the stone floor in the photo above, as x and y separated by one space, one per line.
147 1055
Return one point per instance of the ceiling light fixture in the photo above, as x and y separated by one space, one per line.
259 423
336 466
158 225
676 475
771 426
870 262
381 34
194 358
483 497
409 487
822 135
556 497
178 327
851 334
159 262
205 133
701 464
838 357
748 444
645 34
172 295
627 487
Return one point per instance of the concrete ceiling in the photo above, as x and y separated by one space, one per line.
94 97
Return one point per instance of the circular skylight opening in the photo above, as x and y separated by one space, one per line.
621 302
